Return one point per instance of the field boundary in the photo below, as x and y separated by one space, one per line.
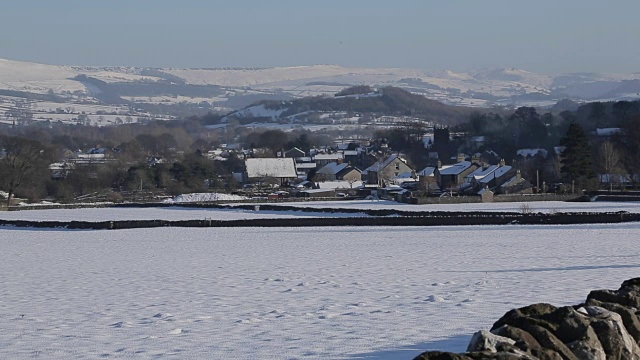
431 219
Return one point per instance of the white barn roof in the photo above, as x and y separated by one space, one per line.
271 167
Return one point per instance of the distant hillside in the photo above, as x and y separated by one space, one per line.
387 101
174 93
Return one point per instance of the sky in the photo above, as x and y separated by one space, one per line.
545 36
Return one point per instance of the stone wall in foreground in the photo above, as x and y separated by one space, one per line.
605 326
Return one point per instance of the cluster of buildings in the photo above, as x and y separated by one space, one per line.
389 176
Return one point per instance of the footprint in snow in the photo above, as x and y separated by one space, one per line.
434 298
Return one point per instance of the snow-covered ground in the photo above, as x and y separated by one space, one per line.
186 213
200 197
282 293
160 213
534 206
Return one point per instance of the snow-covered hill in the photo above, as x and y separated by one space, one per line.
233 88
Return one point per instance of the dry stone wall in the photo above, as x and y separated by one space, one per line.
605 327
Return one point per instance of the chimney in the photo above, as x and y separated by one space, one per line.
439 164
485 166
501 162
475 159
518 175
460 157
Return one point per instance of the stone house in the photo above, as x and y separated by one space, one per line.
451 177
335 171
385 170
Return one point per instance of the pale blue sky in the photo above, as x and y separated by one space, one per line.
547 36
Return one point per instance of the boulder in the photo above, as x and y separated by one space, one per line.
528 316
628 315
484 340
609 327
439 355
627 295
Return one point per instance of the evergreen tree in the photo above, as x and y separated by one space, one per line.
576 158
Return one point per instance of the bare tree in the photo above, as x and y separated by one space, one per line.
609 163
24 160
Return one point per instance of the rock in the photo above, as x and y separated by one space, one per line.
609 327
627 295
527 343
549 341
588 347
439 355
528 316
576 332
631 283
629 317
484 340
502 355
573 326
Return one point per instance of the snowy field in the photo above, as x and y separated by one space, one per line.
281 293
160 213
535 206
186 213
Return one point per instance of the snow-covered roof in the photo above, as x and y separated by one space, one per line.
403 177
428 171
496 174
480 173
315 191
607 131
531 152
335 156
455 169
332 168
350 152
305 165
383 163
271 167
559 149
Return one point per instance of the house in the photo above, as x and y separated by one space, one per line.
405 177
282 169
516 185
428 181
471 182
60 170
385 170
323 159
498 177
452 176
303 168
335 171
317 193
294 153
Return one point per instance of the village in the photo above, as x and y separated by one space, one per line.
352 169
